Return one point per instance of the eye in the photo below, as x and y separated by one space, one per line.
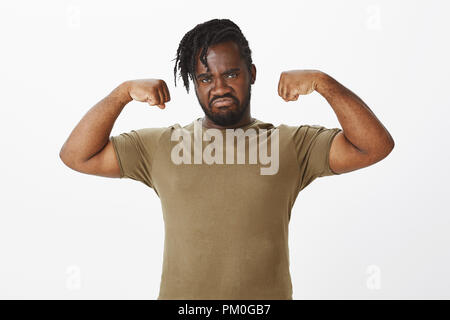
234 74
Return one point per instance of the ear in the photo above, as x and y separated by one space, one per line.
253 74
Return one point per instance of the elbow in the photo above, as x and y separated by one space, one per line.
382 151
61 154
392 146
70 160
65 158
388 147
61 151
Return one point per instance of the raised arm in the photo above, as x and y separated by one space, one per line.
88 149
363 140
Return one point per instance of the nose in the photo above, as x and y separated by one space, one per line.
220 88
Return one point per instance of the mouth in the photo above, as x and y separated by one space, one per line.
223 103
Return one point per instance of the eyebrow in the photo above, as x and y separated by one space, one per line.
226 72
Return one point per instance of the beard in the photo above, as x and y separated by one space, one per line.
229 116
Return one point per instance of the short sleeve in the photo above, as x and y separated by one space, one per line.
135 151
312 145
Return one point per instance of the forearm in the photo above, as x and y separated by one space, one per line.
360 125
92 132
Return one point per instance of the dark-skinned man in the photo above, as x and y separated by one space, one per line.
226 223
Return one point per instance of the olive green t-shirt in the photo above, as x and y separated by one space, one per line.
226 224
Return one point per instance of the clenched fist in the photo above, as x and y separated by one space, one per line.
152 91
297 82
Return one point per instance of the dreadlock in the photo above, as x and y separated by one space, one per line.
201 37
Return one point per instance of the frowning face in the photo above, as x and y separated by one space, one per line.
224 89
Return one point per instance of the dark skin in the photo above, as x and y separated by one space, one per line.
363 140
227 77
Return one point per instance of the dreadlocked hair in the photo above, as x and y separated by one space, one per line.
201 37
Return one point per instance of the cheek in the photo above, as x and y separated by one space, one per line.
204 96
242 90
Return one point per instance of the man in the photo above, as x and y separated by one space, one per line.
226 224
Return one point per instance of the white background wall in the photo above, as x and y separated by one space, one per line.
381 233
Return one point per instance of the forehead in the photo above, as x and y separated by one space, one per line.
219 57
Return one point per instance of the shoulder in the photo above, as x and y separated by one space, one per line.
154 132
301 130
